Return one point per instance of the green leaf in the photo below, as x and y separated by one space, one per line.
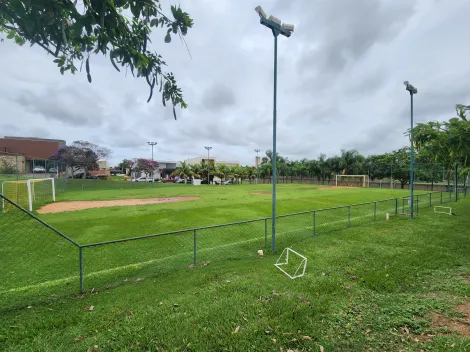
153 22
11 34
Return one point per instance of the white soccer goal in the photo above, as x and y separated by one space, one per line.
297 263
352 180
26 193
442 210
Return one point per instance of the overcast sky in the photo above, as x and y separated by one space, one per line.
340 82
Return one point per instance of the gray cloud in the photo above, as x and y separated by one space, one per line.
339 82
343 31
218 97
65 104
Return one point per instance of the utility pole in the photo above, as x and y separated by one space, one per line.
208 165
153 167
257 151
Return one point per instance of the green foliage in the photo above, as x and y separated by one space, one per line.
71 32
448 142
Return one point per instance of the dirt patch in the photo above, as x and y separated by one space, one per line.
334 187
88 204
465 278
261 193
460 325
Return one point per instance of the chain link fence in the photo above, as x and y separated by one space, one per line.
39 261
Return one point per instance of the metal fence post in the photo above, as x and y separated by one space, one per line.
349 216
194 236
17 169
80 259
265 233
314 223
441 197
396 206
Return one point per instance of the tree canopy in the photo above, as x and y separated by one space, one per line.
72 31
81 155
447 142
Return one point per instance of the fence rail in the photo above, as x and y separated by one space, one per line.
35 255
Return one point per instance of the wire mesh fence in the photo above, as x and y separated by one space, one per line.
36 260
41 261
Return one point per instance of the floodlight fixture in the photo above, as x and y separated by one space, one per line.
288 27
410 88
275 20
260 11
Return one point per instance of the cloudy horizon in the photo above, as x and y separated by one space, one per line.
340 82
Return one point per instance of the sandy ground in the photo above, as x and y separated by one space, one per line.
88 204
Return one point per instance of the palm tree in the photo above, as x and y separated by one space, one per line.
183 171
350 161
222 171
195 170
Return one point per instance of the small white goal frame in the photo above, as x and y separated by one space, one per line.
364 177
31 192
442 212
280 262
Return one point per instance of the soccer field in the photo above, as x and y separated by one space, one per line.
374 287
216 205
56 261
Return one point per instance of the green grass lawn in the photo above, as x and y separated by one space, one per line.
53 263
217 205
367 288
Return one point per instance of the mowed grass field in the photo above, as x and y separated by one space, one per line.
395 285
216 205
56 261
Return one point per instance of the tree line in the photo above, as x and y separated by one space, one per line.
442 152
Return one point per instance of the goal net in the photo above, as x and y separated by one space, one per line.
291 263
352 180
28 193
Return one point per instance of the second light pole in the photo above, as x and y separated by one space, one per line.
274 24
153 166
208 166
410 88
257 151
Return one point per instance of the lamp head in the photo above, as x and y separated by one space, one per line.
410 88
260 11
288 27
275 20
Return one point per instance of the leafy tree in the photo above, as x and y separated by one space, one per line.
125 164
145 166
334 166
73 31
76 158
351 161
399 161
447 141
102 153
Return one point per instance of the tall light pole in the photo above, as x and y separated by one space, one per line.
410 88
257 151
153 167
208 165
274 24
